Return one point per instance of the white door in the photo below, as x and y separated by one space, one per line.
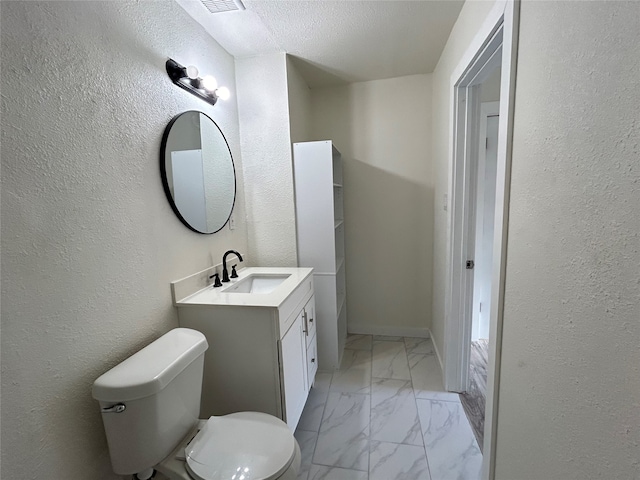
188 187
293 348
485 217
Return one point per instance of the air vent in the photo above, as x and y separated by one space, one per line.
219 6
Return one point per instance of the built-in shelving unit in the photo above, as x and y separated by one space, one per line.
320 233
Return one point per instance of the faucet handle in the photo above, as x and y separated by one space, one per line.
234 274
216 281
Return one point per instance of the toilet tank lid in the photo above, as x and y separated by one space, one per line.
151 369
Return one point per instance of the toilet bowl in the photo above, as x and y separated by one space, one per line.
150 405
235 446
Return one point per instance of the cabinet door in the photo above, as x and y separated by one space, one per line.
310 319
312 362
294 372
310 331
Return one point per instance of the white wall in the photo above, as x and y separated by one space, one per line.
299 104
570 375
263 103
469 21
383 130
89 241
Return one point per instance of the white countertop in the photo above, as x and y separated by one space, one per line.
217 296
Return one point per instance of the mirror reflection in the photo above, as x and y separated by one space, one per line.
197 172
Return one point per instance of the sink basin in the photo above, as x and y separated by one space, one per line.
257 283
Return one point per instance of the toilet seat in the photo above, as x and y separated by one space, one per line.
241 446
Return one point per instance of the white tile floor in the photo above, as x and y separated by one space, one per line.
384 415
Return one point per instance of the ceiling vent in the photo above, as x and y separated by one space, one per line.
220 6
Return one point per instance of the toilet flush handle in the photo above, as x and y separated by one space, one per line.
117 408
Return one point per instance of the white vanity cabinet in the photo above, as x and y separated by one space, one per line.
261 356
297 349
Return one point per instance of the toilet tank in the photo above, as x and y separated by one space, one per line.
150 401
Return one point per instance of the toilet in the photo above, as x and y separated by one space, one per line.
150 404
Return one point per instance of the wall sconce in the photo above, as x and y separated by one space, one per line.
205 88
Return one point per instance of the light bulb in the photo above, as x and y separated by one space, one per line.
192 72
209 83
223 93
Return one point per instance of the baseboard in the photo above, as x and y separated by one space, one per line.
435 348
392 331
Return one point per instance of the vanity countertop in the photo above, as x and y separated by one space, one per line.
222 296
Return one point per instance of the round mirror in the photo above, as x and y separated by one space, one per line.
197 172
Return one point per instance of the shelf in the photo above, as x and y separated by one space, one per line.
319 203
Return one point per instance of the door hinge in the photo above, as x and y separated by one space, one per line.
486 144
470 264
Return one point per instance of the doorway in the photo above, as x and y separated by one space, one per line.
485 207
493 47
473 399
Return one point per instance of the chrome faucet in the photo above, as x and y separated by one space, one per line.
225 272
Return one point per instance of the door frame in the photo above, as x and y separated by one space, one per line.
497 34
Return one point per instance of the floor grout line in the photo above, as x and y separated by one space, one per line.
424 443
370 408
437 400
324 409
335 466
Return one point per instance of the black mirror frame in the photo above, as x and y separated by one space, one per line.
165 182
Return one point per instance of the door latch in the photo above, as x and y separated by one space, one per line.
470 264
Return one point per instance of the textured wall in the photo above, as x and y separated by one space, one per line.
299 104
263 103
383 130
89 241
570 375
471 17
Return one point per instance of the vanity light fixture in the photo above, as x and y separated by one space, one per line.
205 88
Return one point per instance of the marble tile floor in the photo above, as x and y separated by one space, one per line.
384 415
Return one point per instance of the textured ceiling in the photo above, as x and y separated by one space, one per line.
337 41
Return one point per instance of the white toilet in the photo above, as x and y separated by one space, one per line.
150 405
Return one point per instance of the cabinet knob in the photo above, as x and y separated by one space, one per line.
313 360
311 320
